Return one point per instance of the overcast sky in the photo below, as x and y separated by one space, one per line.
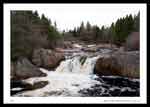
68 16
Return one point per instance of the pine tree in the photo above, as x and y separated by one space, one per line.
36 14
88 26
82 26
49 21
102 32
137 22
55 24
112 33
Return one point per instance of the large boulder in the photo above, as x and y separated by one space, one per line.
119 63
67 45
26 86
47 58
90 49
35 85
133 42
23 69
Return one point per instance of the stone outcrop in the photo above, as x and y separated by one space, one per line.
119 63
47 58
23 69
133 42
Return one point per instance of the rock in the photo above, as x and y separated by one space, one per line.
23 69
106 66
129 92
37 85
68 45
121 64
77 46
90 49
115 92
133 42
121 49
108 46
59 50
19 83
26 86
47 58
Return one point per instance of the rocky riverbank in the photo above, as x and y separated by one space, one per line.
23 68
108 62
112 86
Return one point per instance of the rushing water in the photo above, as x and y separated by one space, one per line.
67 80
74 77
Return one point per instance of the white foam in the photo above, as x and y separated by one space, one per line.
126 88
77 46
70 82
66 80
16 89
114 88
74 65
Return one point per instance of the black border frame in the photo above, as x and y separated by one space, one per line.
56 1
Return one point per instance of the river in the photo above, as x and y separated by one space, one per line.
74 77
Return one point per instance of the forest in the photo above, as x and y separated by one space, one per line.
29 31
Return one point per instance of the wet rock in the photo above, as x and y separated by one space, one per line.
23 69
47 58
112 86
68 45
134 85
129 93
26 86
37 85
19 83
115 92
105 95
90 49
120 63
107 66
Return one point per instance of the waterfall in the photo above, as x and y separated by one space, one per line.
68 79
74 65
74 78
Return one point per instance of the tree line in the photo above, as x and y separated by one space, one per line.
30 31
116 33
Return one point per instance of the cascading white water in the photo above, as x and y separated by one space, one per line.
74 65
68 78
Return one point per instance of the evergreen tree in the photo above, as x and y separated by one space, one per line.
36 14
55 24
137 22
88 26
75 32
49 21
44 20
82 26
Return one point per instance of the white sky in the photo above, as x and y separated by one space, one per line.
68 16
